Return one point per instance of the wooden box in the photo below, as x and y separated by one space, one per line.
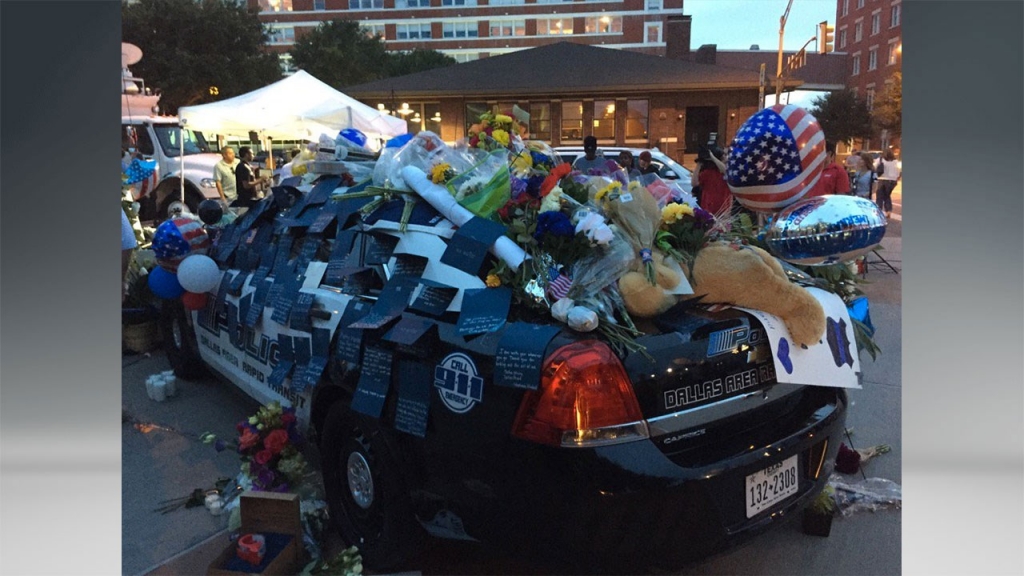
276 516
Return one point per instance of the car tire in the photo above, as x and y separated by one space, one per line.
179 340
368 500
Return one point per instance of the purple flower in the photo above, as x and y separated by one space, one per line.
518 187
264 479
533 185
705 220
554 223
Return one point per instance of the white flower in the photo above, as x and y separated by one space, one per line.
594 227
553 201
601 235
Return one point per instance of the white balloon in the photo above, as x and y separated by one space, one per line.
199 273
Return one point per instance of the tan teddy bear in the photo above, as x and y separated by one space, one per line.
644 299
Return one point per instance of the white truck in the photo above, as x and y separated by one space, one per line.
160 138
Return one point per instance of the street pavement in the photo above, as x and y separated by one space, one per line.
162 458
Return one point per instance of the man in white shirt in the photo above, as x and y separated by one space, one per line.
224 175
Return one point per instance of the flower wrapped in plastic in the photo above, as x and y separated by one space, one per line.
666 191
636 211
484 187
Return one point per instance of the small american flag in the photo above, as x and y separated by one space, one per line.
558 285
776 158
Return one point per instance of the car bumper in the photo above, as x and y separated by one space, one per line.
633 502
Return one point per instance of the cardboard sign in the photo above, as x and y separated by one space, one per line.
520 355
468 247
833 362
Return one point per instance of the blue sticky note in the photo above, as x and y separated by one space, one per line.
434 299
280 372
285 348
408 330
520 355
299 318
237 283
323 189
390 304
468 247
414 383
483 310
349 343
259 302
374 381
303 350
379 248
409 265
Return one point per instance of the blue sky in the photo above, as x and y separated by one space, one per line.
736 24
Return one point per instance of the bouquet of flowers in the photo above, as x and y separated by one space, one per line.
269 446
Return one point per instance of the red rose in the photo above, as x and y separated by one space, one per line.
263 456
287 418
276 441
248 439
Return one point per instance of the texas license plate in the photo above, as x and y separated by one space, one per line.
771 486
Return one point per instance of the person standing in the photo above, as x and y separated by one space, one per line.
626 161
864 177
888 173
590 160
247 181
224 175
715 196
645 164
833 179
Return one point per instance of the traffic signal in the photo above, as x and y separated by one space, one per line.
826 36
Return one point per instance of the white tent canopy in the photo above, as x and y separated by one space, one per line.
297 107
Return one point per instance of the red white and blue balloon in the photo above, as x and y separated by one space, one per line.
825 230
776 158
175 239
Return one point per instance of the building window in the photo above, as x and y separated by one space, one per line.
856 65
552 1
508 28
282 35
604 25
540 121
466 56
275 5
860 4
460 30
876 23
604 119
458 2
636 119
373 30
412 3
572 120
655 4
505 2
892 52
842 38
412 31
894 16
858 31
872 58
844 8
319 4
554 26
653 35
362 4
869 97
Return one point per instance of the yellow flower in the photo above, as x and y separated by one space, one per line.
675 212
493 281
523 162
438 173
502 119
609 189
501 136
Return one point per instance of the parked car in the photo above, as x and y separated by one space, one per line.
601 456
668 169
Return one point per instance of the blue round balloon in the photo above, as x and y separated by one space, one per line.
826 230
353 135
164 284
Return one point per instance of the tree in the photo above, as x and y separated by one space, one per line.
190 47
888 112
342 54
843 116
402 63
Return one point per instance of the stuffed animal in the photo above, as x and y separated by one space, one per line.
749 277
727 273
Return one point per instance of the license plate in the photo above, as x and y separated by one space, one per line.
771 486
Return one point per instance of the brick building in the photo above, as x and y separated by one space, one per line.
870 33
473 29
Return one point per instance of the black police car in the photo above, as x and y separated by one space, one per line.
598 455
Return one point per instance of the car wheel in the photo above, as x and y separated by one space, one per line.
369 503
180 341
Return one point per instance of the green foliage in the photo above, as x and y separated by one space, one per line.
190 46
888 110
843 116
824 503
342 54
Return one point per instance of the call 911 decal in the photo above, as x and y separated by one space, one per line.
458 383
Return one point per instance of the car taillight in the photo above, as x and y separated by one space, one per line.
585 399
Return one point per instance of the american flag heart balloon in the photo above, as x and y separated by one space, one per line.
776 158
175 239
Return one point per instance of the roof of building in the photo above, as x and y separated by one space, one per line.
562 68
821 72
